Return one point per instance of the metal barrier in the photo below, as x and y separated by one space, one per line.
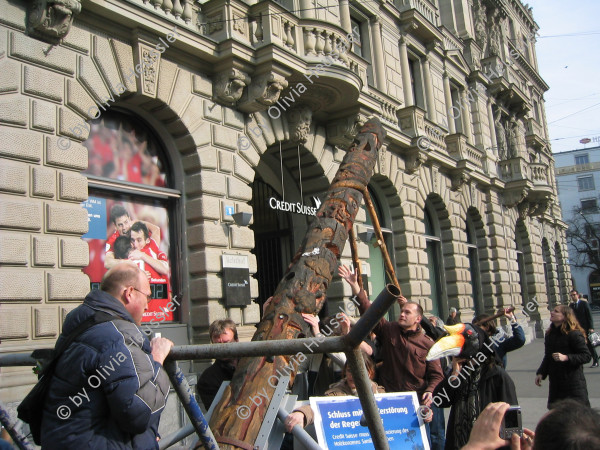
348 344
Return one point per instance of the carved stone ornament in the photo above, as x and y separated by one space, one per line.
229 85
415 158
50 20
150 62
263 92
515 196
459 179
341 132
299 120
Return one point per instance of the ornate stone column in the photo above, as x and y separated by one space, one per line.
379 65
465 110
345 21
429 98
406 84
448 99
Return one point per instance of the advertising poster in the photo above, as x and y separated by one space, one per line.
135 231
338 422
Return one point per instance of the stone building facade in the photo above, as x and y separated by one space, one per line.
250 105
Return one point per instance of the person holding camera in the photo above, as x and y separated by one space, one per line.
564 356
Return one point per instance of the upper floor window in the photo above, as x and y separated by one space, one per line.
416 81
357 38
582 159
589 205
586 183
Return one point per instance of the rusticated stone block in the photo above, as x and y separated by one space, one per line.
21 285
208 286
234 118
225 161
74 252
239 190
206 183
242 237
72 125
61 218
14 109
88 75
242 170
224 137
78 39
205 260
166 79
202 85
14 248
72 186
27 49
66 153
103 57
44 251
43 115
13 177
67 285
21 144
45 322
43 83
80 100
204 315
212 111
251 313
203 208
124 57
208 233
15 322
11 76
43 182
20 214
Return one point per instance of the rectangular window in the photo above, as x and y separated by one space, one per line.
357 41
586 183
456 109
589 205
416 81
582 159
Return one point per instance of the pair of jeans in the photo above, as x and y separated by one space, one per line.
437 429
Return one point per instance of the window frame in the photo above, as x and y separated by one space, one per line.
586 183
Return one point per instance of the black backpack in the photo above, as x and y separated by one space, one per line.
31 409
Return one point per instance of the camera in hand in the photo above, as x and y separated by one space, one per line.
511 423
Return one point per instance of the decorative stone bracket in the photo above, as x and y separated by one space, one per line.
229 85
459 178
341 132
50 20
299 120
415 157
263 92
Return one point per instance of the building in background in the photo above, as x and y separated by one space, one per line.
578 180
183 114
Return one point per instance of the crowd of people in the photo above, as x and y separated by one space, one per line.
470 377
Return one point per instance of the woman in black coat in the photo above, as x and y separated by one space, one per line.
564 356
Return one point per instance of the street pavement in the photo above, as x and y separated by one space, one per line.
522 365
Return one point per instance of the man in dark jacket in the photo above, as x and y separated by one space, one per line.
220 332
109 387
582 311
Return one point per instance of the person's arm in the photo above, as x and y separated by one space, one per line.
433 375
110 260
154 231
161 267
516 341
578 351
139 386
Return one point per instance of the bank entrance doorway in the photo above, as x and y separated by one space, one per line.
272 238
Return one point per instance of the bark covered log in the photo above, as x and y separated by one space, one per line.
303 289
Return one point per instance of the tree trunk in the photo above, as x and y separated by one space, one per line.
240 413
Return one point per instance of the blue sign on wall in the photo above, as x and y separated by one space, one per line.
96 208
337 421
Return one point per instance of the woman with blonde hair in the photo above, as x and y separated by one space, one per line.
564 356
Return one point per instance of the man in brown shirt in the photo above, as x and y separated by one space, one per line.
404 347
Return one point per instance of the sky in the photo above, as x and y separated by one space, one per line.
568 53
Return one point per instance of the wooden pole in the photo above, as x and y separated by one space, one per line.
238 416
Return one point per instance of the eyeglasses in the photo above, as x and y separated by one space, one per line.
148 296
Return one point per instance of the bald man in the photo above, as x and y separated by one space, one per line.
109 387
